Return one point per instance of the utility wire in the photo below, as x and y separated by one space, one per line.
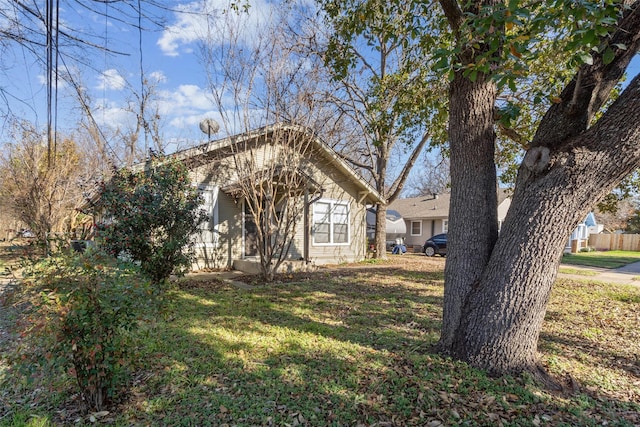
49 60
143 96
57 50
88 112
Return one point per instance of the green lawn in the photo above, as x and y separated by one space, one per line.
577 271
346 348
608 259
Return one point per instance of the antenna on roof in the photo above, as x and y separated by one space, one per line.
210 127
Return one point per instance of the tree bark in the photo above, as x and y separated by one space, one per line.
502 317
473 203
381 231
382 160
496 290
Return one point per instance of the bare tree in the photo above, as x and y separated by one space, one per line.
431 176
46 38
258 75
275 184
39 190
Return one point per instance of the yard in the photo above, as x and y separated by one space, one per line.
346 346
608 259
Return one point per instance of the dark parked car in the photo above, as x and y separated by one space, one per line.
436 245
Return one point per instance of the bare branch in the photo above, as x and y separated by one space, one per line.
398 184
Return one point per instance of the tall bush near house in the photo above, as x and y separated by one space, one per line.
90 302
151 215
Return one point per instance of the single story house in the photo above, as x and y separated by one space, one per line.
579 238
271 165
426 216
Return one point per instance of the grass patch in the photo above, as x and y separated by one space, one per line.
352 346
577 271
609 259
591 334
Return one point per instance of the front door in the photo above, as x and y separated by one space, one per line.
250 230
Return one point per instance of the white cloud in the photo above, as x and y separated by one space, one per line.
192 122
111 79
202 20
61 83
158 76
181 110
111 115
187 99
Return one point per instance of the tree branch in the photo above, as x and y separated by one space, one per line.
357 163
591 87
453 12
397 185
514 136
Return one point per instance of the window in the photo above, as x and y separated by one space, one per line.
445 225
330 222
209 227
416 228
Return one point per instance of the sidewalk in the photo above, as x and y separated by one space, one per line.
628 274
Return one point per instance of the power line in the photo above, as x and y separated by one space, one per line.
142 94
49 61
52 21
57 51
87 110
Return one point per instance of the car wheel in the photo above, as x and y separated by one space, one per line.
429 251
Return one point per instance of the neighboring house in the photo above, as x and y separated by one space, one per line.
579 238
395 228
427 216
332 226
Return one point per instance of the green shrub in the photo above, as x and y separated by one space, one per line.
150 216
89 302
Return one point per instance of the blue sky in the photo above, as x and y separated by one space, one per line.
169 57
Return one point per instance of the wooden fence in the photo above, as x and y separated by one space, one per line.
615 242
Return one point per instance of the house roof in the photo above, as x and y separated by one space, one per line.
432 206
204 153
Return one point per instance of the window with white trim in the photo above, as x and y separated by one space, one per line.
330 222
209 227
445 225
416 228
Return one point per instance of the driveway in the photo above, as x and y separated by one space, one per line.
629 274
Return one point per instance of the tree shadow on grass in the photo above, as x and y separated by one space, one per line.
246 358
329 349
213 377
594 351
333 350
401 314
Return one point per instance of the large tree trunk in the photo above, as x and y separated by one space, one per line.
382 159
503 312
472 151
381 231
496 296
473 204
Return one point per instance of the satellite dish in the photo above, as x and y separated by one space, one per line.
209 126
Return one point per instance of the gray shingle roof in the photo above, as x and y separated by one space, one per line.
423 207
432 207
